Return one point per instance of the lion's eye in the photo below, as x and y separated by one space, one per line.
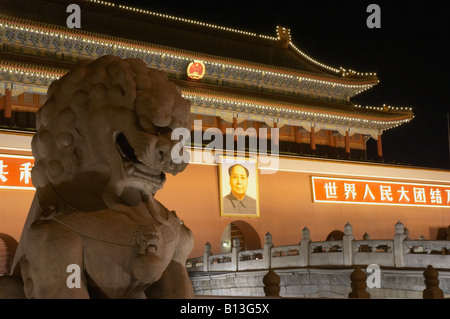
164 131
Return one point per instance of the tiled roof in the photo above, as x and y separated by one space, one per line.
174 32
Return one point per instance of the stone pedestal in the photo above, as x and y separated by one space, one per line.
432 290
359 285
271 283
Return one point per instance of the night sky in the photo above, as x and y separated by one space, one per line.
408 53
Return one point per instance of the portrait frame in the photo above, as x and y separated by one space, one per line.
251 164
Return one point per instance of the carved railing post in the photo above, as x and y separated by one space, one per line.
304 247
267 255
206 255
432 290
235 254
399 237
359 284
406 233
347 242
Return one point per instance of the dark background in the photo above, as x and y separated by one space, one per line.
409 53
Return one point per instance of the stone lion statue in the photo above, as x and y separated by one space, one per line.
102 149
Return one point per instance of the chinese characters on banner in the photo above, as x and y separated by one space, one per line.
15 172
338 190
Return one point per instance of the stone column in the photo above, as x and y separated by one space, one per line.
304 247
219 124
257 126
267 254
275 136
379 147
332 143
235 127
235 254
313 139
347 143
206 255
399 237
347 244
7 109
297 139
36 100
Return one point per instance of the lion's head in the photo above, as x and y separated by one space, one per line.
105 129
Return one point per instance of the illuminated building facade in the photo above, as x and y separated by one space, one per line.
234 79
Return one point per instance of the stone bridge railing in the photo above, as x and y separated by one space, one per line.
397 252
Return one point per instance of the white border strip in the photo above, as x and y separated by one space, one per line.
313 178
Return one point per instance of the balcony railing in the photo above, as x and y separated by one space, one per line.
398 252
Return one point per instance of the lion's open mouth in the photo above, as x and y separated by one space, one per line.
133 166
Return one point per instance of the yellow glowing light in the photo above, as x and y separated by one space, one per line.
151 50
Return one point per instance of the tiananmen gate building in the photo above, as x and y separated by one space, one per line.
233 79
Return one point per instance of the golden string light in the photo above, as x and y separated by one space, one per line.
29 72
224 63
214 26
146 49
167 16
384 108
291 109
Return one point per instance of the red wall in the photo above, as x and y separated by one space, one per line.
14 206
286 207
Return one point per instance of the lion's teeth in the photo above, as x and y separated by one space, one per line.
151 249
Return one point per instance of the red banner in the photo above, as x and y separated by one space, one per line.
356 191
15 172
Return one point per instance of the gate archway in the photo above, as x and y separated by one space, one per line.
249 238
